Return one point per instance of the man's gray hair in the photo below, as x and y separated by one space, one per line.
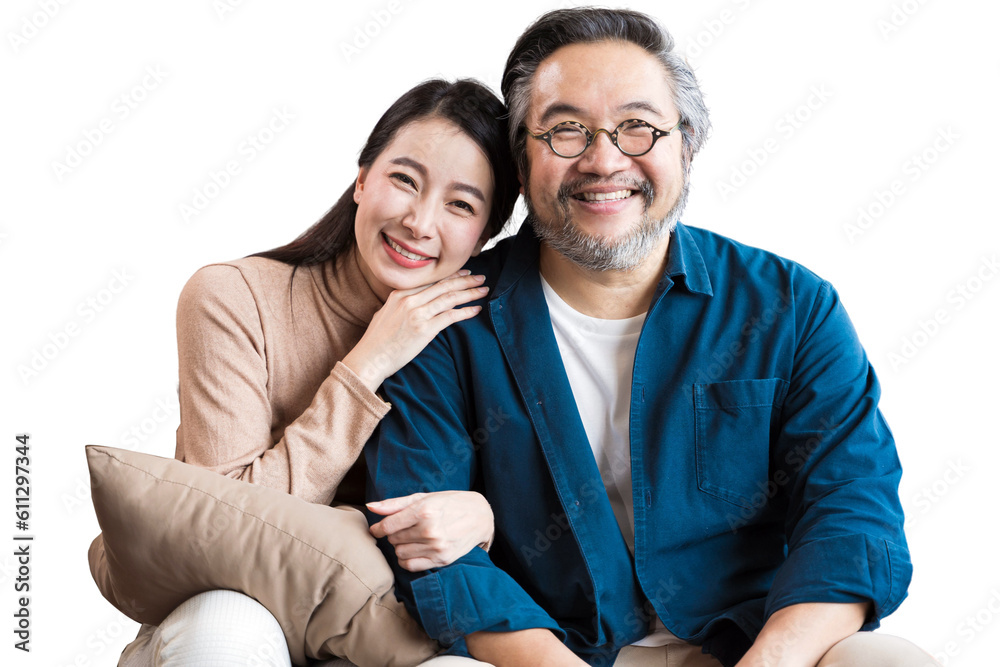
563 27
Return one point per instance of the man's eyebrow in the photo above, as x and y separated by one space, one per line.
557 109
640 105
404 161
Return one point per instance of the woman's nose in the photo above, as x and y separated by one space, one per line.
420 222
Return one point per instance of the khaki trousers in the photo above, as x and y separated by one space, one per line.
862 649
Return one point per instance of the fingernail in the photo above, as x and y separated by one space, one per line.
480 278
464 272
373 503
483 290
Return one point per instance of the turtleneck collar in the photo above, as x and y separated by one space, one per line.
343 287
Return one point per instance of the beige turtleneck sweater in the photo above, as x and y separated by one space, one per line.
263 395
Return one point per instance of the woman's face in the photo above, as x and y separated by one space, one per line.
422 206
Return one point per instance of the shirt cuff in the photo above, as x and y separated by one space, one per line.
847 568
467 597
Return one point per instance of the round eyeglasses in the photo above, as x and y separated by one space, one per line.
633 137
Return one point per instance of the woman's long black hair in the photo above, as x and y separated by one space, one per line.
470 106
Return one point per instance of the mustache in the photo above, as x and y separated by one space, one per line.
642 187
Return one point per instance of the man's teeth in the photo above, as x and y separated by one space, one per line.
606 196
403 251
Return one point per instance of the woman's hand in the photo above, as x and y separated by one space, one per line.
408 321
433 529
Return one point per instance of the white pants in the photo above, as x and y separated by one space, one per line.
223 628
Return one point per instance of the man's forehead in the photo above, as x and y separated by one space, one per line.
601 77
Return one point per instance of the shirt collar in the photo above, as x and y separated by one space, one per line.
684 258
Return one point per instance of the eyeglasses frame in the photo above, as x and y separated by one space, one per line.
657 133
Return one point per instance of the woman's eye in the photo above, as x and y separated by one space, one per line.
404 178
464 205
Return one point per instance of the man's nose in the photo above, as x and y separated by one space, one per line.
602 156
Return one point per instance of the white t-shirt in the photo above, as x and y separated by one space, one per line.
598 356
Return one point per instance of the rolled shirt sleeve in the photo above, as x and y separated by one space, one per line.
844 519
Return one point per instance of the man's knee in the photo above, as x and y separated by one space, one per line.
869 649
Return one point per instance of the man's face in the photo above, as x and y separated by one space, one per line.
603 209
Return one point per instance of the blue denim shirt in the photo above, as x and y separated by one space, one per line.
763 473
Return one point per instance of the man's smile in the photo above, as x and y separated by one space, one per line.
603 196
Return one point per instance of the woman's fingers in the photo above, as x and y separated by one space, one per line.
393 505
421 296
393 524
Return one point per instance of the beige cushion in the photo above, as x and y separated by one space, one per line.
172 530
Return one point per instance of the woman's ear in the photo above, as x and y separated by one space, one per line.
359 184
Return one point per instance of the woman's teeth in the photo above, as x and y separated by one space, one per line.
403 251
606 196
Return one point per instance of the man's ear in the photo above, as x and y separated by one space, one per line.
359 184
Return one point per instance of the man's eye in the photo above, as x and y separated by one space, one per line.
567 131
404 178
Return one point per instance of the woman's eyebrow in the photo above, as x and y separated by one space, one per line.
471 189
410 162
404 161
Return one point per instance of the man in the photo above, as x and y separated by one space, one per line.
678 434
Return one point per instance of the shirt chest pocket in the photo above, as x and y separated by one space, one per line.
734 421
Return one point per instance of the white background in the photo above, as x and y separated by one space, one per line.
892 76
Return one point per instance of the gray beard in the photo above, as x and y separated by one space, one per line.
598 253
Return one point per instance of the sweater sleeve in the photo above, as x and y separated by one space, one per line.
226 412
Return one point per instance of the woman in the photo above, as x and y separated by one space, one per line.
280 353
